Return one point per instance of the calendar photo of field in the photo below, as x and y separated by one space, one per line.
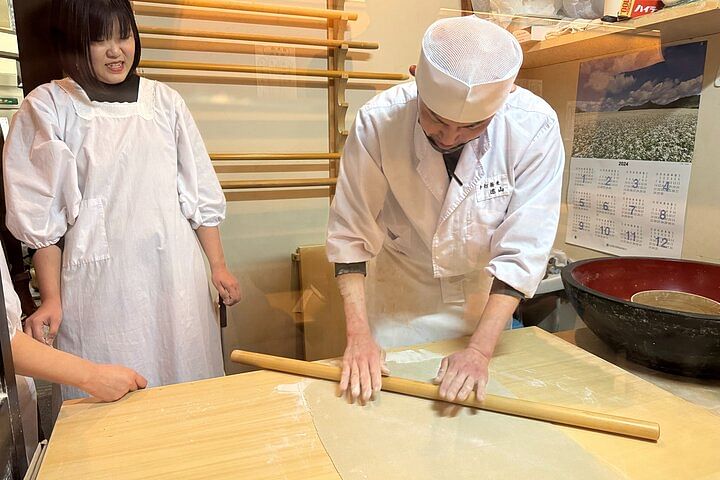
664 135
640 106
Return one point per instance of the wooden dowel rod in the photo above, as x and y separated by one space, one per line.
234 80
271 156
288 183
229 16
216 46
254 82
261 8
215 67
223 46
247 37
275 194
265 167
522 408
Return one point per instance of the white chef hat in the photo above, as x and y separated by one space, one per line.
467 68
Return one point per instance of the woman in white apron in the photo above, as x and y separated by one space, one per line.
114 166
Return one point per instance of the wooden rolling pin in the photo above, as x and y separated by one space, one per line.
521 408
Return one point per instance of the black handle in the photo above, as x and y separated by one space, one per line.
223 313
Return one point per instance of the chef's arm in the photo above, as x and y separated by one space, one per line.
356 232
44 323
466 370
501 305
498 311
224 281
521 244
352 290
363 360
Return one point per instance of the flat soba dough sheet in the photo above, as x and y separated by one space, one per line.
404 437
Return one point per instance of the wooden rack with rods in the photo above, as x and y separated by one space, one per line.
333 20
337 105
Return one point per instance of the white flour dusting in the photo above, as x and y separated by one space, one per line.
297 389
411 356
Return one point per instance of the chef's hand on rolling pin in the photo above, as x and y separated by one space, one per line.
43 325
111 382
362 367
461 373
226 284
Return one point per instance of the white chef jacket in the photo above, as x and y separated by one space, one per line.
438 244
27 396
125 184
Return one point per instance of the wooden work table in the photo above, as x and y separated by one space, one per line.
242 426
702 392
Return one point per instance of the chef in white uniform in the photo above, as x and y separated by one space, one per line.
449 192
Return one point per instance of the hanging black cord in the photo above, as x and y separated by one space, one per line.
451 161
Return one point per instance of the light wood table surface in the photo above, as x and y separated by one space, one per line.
702 392
244 426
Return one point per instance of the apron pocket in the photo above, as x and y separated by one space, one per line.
86 240
398 238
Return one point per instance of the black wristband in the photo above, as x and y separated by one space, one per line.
498 286
357 267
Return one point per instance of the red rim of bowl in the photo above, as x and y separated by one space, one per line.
567 277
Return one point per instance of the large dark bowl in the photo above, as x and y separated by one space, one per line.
668 340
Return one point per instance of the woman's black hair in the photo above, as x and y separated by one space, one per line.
77 23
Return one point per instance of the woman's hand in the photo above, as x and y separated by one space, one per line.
43 325
227 285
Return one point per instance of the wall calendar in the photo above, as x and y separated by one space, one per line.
628 207
633 142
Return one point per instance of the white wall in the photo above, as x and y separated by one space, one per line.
260 236
5 15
